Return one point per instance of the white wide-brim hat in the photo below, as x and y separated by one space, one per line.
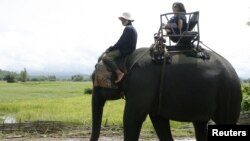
126 16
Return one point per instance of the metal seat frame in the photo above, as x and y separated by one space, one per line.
190 37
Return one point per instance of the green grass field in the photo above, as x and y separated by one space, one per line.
63 101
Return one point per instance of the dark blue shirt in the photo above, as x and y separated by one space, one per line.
127 42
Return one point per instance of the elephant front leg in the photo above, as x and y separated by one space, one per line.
132 121
97 111
162 128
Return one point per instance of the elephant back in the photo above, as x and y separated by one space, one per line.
193 88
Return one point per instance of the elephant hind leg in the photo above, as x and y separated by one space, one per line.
162 128
200 130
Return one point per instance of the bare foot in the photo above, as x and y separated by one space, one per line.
119 76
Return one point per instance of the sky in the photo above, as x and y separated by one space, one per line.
67 36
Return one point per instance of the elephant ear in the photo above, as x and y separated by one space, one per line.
103 77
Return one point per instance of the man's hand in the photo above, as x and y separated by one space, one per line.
107 51
111 48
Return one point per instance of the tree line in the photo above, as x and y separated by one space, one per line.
245 104
23 76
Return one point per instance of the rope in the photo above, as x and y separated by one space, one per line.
207 46
210 49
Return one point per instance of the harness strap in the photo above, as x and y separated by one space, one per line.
162 82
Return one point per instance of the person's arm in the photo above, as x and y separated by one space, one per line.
123 39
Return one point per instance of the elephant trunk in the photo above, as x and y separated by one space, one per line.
97 111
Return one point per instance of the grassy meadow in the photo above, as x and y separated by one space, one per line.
63 101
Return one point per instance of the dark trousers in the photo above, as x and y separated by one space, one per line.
109 58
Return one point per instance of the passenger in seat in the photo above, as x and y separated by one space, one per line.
178 23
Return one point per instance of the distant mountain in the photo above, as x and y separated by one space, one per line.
59 75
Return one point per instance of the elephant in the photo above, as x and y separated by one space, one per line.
188 89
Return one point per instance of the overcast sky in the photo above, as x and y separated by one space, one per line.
52 36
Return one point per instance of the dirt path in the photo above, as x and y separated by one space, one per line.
87 139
